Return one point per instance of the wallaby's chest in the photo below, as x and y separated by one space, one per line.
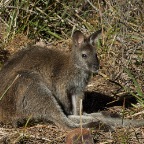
78 83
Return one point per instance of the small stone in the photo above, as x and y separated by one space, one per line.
78 136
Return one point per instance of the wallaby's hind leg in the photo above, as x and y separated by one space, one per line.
37 101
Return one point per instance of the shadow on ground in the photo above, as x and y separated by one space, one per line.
94 101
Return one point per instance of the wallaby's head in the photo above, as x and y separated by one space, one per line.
84 51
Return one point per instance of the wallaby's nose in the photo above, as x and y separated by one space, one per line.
95 68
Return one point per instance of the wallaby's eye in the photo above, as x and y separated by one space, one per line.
84 56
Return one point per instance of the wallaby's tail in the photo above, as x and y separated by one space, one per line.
117 122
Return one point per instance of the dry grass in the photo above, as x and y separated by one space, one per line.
121 48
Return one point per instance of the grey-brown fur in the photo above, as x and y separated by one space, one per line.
48 82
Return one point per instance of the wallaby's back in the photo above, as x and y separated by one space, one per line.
34 59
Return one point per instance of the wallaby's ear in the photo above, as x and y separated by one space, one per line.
78 38
92 39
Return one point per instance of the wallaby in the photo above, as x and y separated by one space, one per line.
46 84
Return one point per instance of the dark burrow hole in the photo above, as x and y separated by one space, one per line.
94 101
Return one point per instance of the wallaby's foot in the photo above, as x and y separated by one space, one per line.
89 121
106 118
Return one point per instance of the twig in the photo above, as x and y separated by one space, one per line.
9 86
81 119
139 113
92 5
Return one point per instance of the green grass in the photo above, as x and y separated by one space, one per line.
137 91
